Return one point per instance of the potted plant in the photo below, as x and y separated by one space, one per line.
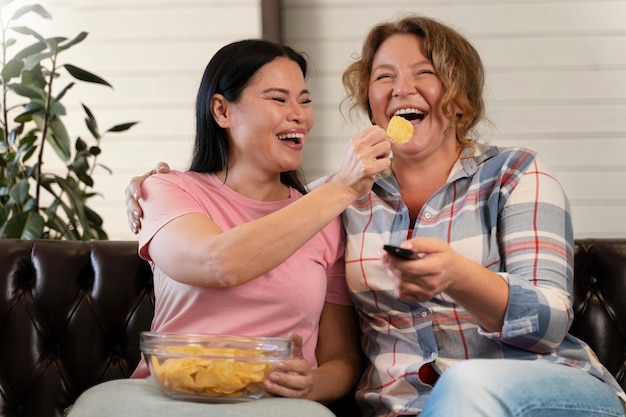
36 204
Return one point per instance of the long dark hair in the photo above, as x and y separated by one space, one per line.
228 73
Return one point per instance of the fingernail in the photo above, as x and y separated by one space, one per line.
136 213
135 195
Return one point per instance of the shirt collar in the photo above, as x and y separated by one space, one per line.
465 167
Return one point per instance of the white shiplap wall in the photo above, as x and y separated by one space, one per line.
556 75
153 52
556 83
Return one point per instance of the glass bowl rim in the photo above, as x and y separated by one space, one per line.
156 343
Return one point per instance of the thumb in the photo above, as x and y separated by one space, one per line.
296 346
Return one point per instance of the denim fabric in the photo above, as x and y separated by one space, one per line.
520 388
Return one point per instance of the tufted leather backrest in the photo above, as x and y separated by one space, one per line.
71 314
600 301
70 317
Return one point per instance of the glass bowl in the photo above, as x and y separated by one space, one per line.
212 368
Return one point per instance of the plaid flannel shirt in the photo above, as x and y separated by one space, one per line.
501 208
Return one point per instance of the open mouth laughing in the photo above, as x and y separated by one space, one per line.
411 113
292 137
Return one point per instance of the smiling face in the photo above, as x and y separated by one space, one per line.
403 82
270 122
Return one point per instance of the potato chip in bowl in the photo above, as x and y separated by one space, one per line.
212 368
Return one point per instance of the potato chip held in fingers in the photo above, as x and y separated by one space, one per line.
400 129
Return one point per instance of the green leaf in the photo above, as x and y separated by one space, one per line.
35 77
27 147
56 109
35 8
85 178
78 208
95 225
37 109
63 91
31 170
59 139
13 135
25 225
4 211
61 227
28 31
31 50
30 152
80 144
23 118
91 123
122 127
27 91
27 141
81 74
53 44
93 217
32 61
19 191
89 113
30 205
12 69
79 38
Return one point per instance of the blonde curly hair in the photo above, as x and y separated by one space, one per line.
456 63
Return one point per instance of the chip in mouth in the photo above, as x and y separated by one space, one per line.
400 129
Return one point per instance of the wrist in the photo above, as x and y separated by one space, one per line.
339 189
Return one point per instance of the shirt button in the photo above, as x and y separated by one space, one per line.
424 313
433 355
427 215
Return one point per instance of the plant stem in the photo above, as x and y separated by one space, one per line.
44 129
5 112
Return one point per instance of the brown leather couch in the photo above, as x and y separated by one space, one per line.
71 313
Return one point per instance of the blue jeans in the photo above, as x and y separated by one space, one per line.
507 388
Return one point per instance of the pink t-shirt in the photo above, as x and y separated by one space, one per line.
287 299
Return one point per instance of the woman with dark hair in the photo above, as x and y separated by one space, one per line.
237 247
234 67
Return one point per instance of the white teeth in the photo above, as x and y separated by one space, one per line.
408 111
291 136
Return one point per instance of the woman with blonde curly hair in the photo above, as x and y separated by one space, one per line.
477 324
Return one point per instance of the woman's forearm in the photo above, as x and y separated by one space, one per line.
210 257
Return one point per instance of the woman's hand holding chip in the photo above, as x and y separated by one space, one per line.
366 156
292 377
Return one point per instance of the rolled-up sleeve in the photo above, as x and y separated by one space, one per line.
537 251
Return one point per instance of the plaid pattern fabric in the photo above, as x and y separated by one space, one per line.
501 208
